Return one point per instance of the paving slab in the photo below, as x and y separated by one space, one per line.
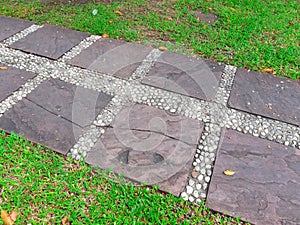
10 26
185 75
112 57
76 104
265 186
267 95
50 41
11 79
40 126
143 146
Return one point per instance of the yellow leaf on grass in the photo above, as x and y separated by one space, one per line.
268 70
3 67
105 35
119 13
204 26
6 218
229 172
65 221
162 48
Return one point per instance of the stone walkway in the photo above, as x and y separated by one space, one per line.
158 117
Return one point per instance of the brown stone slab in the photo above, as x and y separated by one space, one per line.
265 186
267 95
11 79
193 77
50 41
41 126
10 26
112 57
146 118
76 104
149 154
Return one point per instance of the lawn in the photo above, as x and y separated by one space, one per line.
253 34
46 188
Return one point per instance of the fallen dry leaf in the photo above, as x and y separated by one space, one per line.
105 35
65 221
268 70
13 216
162 48
119 13
204 26
229 172
194 173
6 218
3 67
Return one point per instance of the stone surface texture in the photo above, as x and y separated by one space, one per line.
10 26
112 57
11 79
50 41
76 104
41 126
266 95
149 145
265 186
193 77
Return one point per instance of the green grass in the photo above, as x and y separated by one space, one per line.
45 187
253 34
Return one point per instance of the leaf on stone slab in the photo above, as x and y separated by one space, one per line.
162 48
3 67
229 172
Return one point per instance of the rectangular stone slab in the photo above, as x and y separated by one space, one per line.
10 26
12 79
158 151
185 75
76 104
112 57
41 126
265 186
50 41
267 95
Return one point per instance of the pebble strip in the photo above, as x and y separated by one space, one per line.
21 34
214 114
225 85
198 182
87 42
146 65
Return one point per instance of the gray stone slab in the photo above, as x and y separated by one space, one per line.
41 126
50 41
193 77
10 26
265 186
76 104
112 57
12 79
267 95
152 152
